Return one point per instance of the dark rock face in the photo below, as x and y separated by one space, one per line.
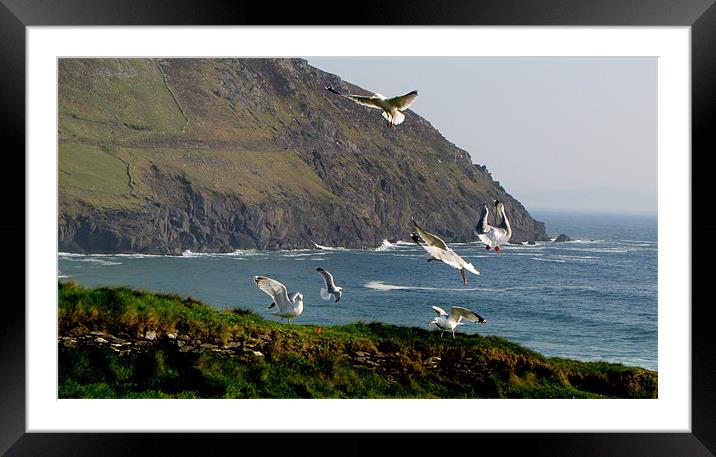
562 238
261 157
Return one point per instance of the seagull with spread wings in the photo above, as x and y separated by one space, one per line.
438 250
331 290
445 321
289 305
391 107
494 235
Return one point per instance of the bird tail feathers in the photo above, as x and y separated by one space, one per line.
325 295
396 118
469 267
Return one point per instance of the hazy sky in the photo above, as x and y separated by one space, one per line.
557 133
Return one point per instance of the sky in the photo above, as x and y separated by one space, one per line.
573 133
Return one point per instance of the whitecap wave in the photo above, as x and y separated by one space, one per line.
329 248
578 258
381 286
137 256
385 245
296 255
548 260
615 250
525 246
233 254
94 261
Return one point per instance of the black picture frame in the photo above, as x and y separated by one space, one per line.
700 15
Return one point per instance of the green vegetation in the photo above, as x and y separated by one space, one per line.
115 99
112 176
359 360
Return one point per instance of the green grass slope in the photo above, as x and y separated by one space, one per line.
359 360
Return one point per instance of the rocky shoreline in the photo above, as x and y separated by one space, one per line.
243 349
388 364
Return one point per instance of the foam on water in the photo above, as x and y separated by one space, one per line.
541 259
93 260
381 286
328 248
385 245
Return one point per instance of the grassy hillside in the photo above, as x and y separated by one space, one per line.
250 153
122 343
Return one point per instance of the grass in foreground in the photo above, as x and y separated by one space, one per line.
359 360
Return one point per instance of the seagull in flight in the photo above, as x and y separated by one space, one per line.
289 305
446 321
438 250
391 107
331 290
494 235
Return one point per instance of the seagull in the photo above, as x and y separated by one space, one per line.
438 250
446 321
289 305
391 107
331 290
494 235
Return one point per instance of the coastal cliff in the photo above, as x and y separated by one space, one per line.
211 155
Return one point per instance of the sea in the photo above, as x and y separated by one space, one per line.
593 298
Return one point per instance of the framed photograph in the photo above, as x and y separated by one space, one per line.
208 155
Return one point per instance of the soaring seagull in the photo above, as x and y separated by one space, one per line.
494 235
391 107
438 250
288 305
331 290
446 321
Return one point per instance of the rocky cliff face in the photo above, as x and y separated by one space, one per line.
161 156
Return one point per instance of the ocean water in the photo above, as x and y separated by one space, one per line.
594 298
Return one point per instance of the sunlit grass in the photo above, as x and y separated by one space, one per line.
298 362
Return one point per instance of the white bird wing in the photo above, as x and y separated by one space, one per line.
429 238
490 237
470 267
439 310
371 102
327 278
446 256
482 225
458 312
404 101
276 291
504 228
494 236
